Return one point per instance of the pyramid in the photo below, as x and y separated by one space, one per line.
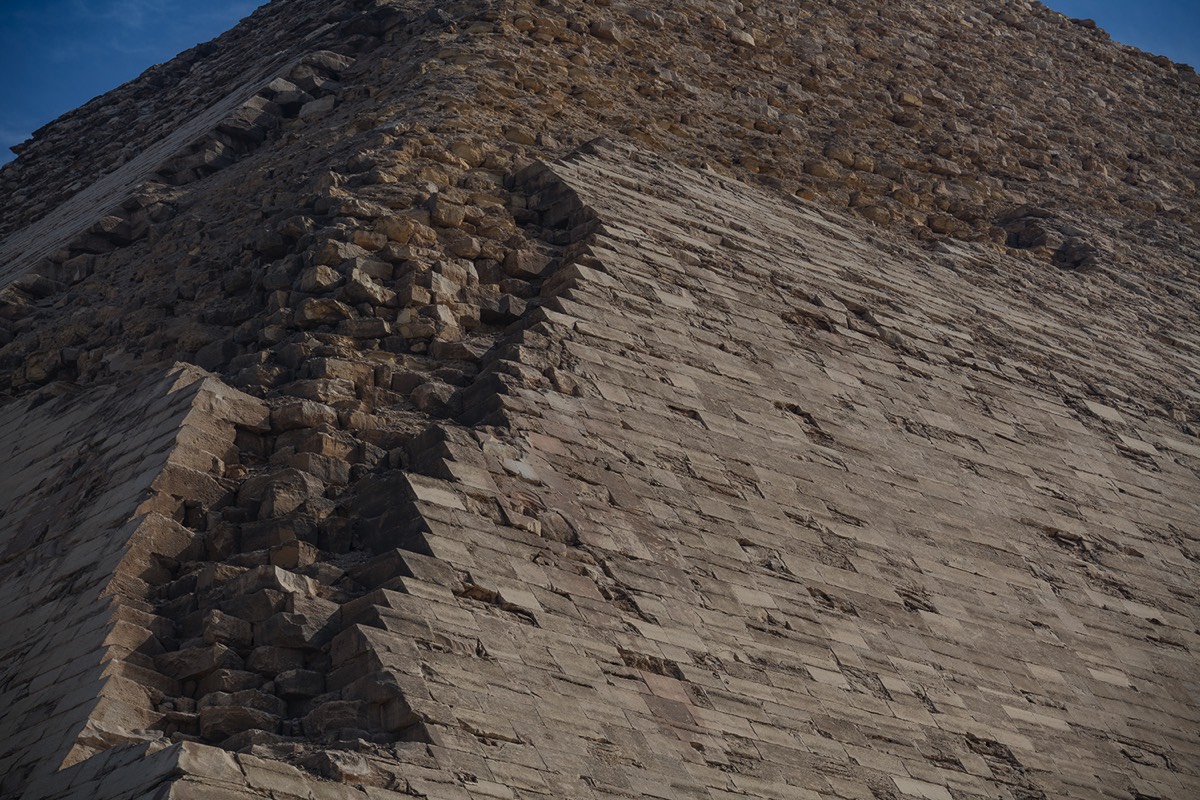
695 400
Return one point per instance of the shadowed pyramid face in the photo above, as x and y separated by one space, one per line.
824 429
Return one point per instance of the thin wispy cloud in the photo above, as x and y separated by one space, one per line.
131 14
135 13
67 52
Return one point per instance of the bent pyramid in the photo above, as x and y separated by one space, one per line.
693 400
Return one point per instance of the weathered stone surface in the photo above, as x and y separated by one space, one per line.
322 311
219 722
196 662
109 547
332 717
302 414
270 660
220 628
299 683
318 279
838 440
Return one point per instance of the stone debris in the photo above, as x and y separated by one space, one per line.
585 400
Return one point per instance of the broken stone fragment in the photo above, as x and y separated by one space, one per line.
244 698
278 85
877 214
406 230
221 628
309 624
229 680
340 766
470 153
279 493
295 683
294 631
286 495
500 309
333 253
460 350
1076 254
742 38
316 108
364 328
218 723
519 134
841 154
356 372
606 30
256 606
334 716
375 268
525 263
116 229
368 240
362 288
649 19
267 577
323 390
445 213
462 245
322 311
328 61
224 402
196 662
297 554
270 660
433 397
821 169
297 414
358 208
318 279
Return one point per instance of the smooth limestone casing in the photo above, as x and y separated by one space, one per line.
91 486
835 533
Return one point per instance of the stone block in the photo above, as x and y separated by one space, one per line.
302 414
196 662
218 723
221 628
270 660
336 715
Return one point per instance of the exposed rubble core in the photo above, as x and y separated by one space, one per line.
510 399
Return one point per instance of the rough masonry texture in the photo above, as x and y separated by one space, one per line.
691 400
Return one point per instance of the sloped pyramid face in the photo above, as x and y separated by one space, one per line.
595 400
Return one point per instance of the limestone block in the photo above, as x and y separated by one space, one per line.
219 722
196 662
301 414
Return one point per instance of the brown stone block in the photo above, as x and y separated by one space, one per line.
222 628
218 723
271 660
196 662
336 715
257 606
204 789
298 683
202 761
302 414
229 680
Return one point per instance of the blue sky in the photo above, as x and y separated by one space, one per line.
1166 27
59 54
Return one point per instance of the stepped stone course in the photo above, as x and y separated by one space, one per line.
588 400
